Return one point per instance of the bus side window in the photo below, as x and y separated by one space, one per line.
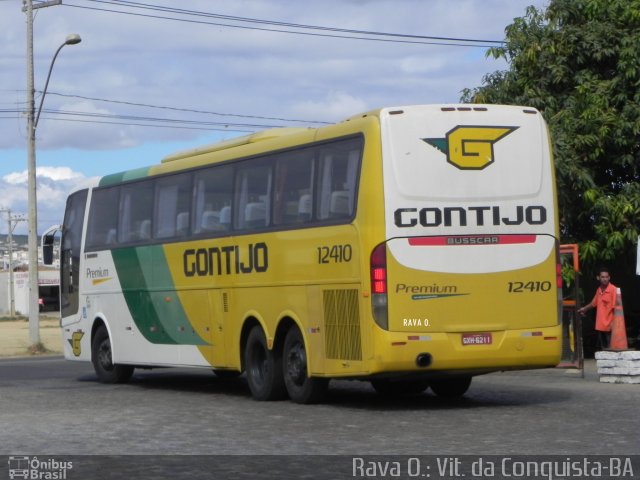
111 237
292 190
145 230
253 184
210 221
103 218
305 211
212 212
136 207
182 224
339 206
172 206
339 166
225 217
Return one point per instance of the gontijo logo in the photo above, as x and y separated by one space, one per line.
469 147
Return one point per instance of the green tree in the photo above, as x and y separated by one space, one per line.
578 62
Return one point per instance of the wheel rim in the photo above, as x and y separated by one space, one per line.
104 355
297 364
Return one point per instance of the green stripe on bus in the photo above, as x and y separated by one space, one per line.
117 178
165 300
146 286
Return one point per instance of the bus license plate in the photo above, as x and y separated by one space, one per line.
476 339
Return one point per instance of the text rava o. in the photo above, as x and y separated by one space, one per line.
464 216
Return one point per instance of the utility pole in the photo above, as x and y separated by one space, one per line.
12 222
34 313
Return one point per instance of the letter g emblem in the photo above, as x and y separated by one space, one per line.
470 148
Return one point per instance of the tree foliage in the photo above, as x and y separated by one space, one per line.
578 62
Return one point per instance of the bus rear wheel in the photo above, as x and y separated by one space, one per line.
263 368
300 387
102 359
451 387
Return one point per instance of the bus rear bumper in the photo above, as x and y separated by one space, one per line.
455 352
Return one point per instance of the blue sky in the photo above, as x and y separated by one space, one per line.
140 87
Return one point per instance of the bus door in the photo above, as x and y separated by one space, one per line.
70 248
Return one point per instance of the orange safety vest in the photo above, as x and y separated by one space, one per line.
604 301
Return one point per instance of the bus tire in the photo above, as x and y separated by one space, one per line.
263 368
101 357
450 387
300 387
391 388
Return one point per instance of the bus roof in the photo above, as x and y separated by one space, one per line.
236 142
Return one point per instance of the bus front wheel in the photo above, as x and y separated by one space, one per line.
301 387
102 360
450 387
263 368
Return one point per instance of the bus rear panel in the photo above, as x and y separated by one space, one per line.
471 241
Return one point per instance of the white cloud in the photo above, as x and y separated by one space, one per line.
231 70
217 69
52 173
335 106
53 186
58 173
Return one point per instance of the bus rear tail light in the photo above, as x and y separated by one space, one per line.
378 273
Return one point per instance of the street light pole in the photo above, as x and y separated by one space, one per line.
32 123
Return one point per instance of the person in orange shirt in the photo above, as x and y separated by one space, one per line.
604 301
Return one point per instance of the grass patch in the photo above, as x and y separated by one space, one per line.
9 318
38 349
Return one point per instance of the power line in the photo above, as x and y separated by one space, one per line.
128 119
129 124
156 119
177 109
355 34
132 124
189 110
285 24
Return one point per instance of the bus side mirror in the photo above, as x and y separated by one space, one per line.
48 239
47 249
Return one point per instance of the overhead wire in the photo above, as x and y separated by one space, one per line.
189 110
354 34
128 120
391 37
287 24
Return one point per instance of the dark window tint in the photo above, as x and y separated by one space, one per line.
173 206
213 195
136 207
253 181
70 252
338 172
103 218
292 188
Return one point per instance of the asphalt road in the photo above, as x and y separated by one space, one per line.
51 406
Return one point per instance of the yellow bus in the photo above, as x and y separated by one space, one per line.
413 247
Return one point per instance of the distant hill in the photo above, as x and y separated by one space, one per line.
19 239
